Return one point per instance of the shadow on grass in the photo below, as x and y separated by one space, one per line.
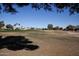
17 43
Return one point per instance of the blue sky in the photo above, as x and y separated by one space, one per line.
29 17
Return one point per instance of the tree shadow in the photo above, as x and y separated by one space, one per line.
17 43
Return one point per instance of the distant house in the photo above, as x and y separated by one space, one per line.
4 27
27 28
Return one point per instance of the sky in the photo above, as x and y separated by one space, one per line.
29 17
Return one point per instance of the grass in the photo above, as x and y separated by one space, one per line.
6 30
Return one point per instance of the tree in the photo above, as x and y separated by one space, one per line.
9 26
44 29
77 28
57 28
60 28
60 7
17 28
16 24
2 24
32 28
70 27
50 26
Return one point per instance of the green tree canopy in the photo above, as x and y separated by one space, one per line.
50 26
73 8
9 26
70 27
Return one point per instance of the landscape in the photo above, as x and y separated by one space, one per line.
28 30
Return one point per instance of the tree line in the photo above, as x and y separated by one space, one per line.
49 27
67 28
7 26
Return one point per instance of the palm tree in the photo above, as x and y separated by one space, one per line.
16 24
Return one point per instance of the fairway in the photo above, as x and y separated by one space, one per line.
50 43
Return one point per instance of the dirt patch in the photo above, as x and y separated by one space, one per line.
50 43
